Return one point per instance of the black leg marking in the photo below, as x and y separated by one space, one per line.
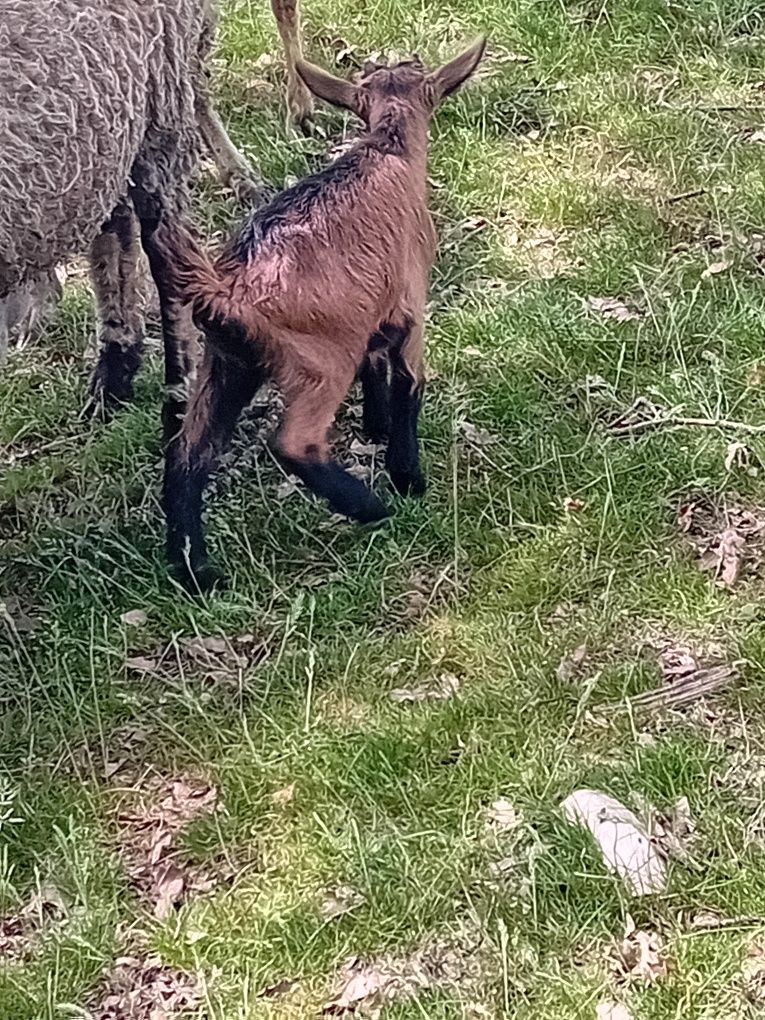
346 495
403 455
225 385
375 387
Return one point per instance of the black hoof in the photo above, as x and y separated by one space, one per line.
372 511
201 580
408 484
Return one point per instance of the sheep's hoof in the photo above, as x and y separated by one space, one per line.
201 580
300 110
408 483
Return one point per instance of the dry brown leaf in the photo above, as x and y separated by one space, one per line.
169 887
715 268
148 835
284 796
611 1010
725 557
612 308
501 815
134 618
475 436
143 989
570 665
338 901
641 955
141 664
437 688
736 456
572 505
625 845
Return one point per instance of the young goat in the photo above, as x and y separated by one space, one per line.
326 282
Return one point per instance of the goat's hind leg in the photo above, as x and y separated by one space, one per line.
225 384
310 408
375 389
402 458
114 275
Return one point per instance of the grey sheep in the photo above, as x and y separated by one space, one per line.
47 96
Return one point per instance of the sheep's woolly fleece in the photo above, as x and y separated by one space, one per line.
92 92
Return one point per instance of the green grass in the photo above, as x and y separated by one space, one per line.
574 158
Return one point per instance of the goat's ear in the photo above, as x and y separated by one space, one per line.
329 88
447 79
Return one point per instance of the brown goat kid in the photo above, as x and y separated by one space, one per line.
327 282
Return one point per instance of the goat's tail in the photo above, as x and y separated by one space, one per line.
193 276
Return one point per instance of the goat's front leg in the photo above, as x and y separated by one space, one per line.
223 387
311 403
234 170
114 273
299 101
407 384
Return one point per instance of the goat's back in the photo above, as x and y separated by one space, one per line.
334 254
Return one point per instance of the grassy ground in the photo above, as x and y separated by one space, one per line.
557 177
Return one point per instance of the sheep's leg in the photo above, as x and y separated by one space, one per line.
299 101
114 274
375 388
310 408
234 170
179 336
224 386
407 383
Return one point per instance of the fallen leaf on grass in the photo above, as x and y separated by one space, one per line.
20 931
725 557
502 815
437 688
715 268
640 955
284 796
675 828
169 885
570 664
757 136
144 989
141 664
338 901
460 964
610 1010
134 618
475 436
572 505
624 844
612 308
727 539
753 975
736 456
148 840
